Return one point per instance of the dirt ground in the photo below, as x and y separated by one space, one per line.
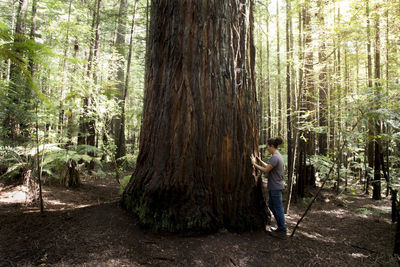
86 227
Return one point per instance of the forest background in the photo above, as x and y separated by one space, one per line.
327 73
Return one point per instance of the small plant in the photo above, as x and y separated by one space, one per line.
364 211
306 201
123 183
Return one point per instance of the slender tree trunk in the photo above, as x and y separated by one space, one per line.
32 34
289 66
387 126
199 128
339 109
300 182
32 71
371 130
309 86
269 115
120 46
260 92
278 58
361 174
121 149
300 58
88 123
346 155
61 116
378 124
13 21
306 173
19 90
323 89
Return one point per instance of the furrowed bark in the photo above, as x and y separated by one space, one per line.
199 128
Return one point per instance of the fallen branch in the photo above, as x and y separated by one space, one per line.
164 258
366 249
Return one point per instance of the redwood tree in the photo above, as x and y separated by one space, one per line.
199 128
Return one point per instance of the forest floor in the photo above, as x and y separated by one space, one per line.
86 227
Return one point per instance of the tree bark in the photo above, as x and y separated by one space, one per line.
199 128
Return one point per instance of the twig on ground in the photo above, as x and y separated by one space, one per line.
366 249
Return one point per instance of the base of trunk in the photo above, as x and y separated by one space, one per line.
173 211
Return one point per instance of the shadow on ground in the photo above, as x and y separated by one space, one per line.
87 227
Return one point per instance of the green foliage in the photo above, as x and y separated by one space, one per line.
322 164
15 160
305 201
53 159
123 183
128 161
56 157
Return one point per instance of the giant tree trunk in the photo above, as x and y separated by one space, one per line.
199 128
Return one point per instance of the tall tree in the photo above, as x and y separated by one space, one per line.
278 68
306 172
121 147
378 125
371 129
121 48
199 127
338 87
289 66
269 113
87 133
323 86
19 94
61 116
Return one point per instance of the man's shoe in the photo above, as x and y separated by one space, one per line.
278 234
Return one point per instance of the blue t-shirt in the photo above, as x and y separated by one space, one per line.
275 176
